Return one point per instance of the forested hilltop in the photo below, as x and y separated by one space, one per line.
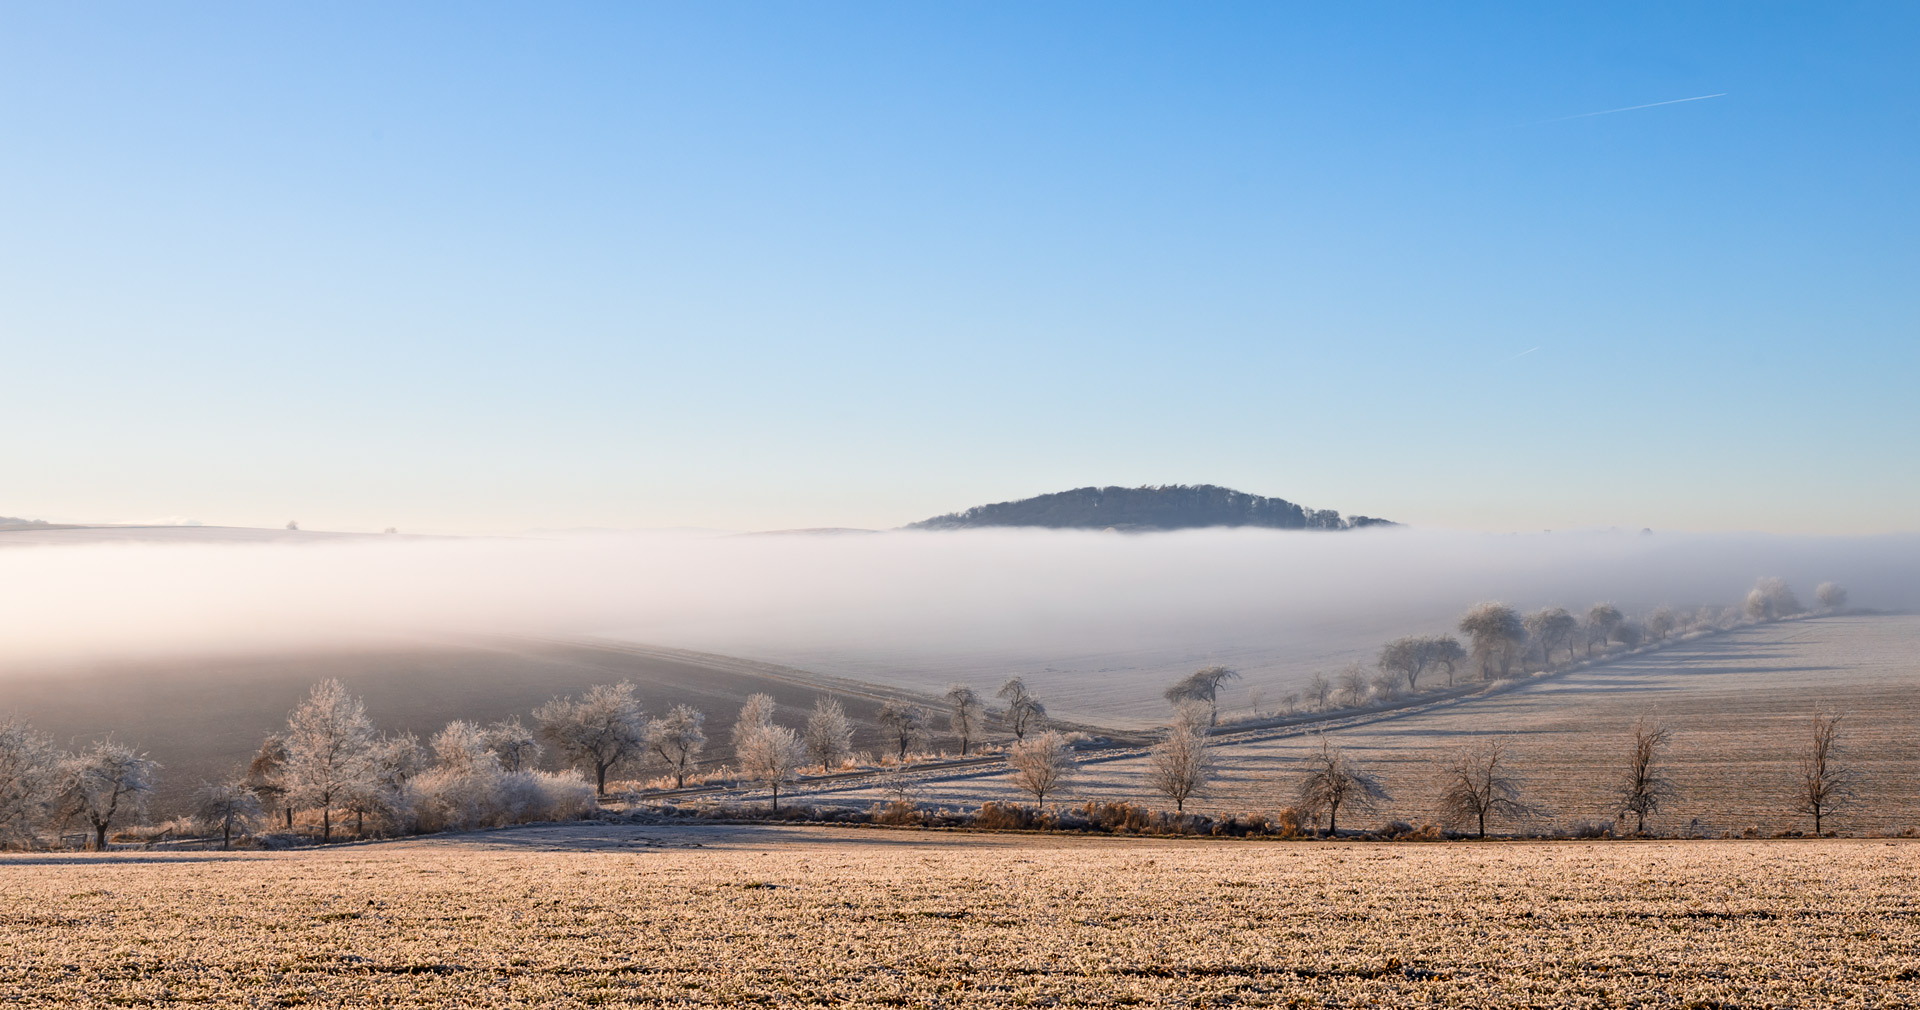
1167 507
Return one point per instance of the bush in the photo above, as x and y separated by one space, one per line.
1005 817
899 813
1117 816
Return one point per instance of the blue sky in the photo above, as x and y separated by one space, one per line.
470 268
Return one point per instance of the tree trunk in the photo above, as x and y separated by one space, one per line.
359 823
1483 824
326 824
600 780
99 838
226 835
776 797
289 818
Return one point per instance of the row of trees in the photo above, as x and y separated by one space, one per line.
43 787
1480 786
1503 642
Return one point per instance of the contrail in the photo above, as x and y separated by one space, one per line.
1522 354
1630 108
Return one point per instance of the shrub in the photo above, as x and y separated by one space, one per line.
896 812
1004 817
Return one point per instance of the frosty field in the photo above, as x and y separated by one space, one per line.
1737 703
789 916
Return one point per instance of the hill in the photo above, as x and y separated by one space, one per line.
1166 507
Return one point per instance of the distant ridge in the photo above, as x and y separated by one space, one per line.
1166 507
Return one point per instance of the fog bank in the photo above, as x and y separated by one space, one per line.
1085 610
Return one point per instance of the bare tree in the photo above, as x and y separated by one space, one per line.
514 744
1824 783
1480 788
1025 714
102 783
770 755
28 767
1041 764
599 730
1497 633
1445 650
1386 685
1602 618
1645 786
829 734
328 742
1407 658
1771 599
1353 688
225 805
906 726
1831 596
966 715
1662 623
677 739
1180 765
1319 690
267 777
1552 627
1202 687
1333 782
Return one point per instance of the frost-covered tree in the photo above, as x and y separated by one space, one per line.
329 740
1480 787
1201 687
757 712
966 715
1831 596
1354 687
770 755
1662 623
1406 658
384 793
1771 599
1025 714
1645 786
1334 782
905 725
677 739
1602 618
223 806
1552 627
1041 763
1445 650
105 783
1824 783
829 737
514 744
1497 633
598 731
28 767
1319 691
1179 766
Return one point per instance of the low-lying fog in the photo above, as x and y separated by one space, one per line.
1098 620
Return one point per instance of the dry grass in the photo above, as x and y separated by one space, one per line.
598 915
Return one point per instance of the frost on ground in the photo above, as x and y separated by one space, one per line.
723 916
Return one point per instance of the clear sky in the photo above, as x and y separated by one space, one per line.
470 267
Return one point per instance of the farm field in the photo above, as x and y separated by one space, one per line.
1738 705
599 915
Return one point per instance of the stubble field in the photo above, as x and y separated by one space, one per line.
791 916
